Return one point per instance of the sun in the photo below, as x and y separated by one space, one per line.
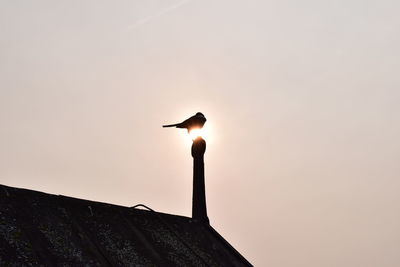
206 133
196 132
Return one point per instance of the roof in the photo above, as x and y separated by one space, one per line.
52 230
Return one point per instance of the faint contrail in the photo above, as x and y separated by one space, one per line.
158 14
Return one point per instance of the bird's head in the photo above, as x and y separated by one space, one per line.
199 114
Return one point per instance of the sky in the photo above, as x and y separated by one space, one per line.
301 99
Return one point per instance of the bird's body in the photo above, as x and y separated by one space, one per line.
196 121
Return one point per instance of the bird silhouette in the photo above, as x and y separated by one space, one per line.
196 121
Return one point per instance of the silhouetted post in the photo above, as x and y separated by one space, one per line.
199 209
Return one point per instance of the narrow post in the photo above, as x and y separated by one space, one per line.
199 209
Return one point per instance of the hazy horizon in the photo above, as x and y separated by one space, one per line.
302 106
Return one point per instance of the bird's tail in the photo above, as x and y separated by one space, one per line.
171 125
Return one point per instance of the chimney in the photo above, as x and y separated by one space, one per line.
199 209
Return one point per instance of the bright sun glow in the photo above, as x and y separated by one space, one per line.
207 133
194 133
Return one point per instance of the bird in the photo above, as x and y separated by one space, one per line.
195 122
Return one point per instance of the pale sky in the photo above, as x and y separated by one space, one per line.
302 100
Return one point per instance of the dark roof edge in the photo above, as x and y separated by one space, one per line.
10 188
223 240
